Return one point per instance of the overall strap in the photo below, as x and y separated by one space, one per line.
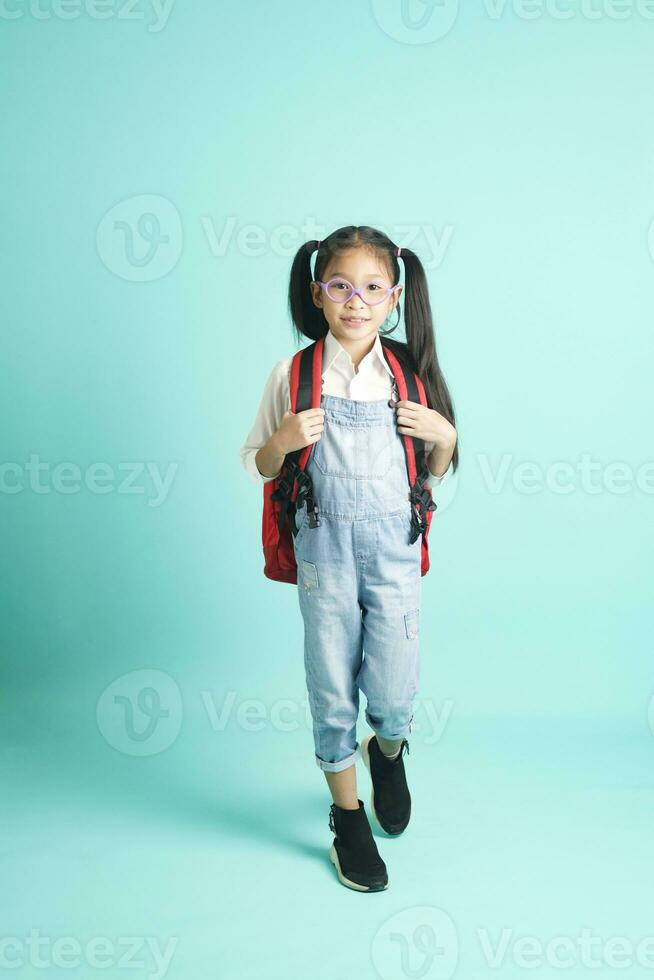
305 390
411 388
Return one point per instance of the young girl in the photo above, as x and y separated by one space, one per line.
359 577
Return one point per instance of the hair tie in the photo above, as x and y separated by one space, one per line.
398 251
317 246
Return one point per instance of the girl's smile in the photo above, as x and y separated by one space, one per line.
355 321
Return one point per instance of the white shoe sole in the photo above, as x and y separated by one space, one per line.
333 857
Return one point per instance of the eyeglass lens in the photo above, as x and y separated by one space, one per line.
372 291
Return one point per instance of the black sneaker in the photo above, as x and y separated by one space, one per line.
354 851
390 800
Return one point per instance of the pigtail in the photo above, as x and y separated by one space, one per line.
421 341
308 319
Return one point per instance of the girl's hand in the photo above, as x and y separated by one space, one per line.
420 422
297 430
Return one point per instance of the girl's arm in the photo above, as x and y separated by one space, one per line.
439 435
260 446
270 457
439 463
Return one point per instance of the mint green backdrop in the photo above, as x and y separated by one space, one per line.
160 165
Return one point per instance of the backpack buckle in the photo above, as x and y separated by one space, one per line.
421 503
290 474
304 496
283 489
421 496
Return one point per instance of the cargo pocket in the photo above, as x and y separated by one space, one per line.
308 575
412 623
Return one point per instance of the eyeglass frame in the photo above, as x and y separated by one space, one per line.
355 292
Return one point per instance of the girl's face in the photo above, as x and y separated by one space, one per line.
354 320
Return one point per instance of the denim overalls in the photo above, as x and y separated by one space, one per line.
359 580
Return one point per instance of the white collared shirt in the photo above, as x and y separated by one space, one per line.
373 380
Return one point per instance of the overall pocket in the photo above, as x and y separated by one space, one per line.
412 624
356 452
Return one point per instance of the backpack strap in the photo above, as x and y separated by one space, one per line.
411 388
305 384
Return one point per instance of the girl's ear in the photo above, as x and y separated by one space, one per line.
395 298
316 294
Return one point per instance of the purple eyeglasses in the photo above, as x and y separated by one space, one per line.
340 290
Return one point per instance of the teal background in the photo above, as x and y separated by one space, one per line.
524 144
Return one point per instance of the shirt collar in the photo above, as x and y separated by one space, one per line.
333 349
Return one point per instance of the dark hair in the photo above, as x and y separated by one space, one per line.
419 351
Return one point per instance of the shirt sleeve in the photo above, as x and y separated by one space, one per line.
433 480
275 400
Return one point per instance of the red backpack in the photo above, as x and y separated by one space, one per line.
292 489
